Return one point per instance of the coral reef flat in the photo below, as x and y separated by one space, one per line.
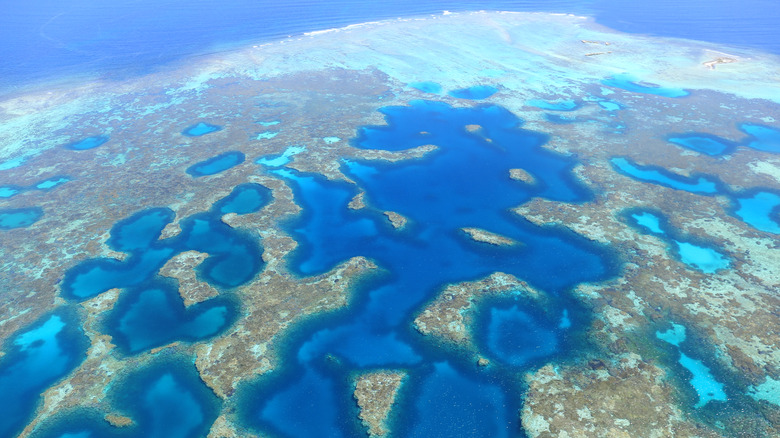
461 225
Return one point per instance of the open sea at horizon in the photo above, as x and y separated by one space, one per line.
54 41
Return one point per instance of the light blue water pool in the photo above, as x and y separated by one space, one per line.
698 255
762 138
39 356
88 143
427 87
759 209
701 379
19 217
200 128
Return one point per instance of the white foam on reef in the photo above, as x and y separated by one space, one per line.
339 29
541 52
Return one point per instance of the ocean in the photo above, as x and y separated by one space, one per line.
53 40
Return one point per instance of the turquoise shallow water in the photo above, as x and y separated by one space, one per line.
19 218
47 184
564 105
87 143
759 209
201 128
703 382
698 255
763 138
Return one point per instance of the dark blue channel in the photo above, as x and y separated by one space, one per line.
454 403
465 183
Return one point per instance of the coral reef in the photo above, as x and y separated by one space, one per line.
375 393
628 399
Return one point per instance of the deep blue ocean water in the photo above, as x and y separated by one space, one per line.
50 40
